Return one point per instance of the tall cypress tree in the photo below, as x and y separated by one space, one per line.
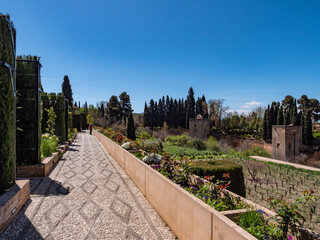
287 116
130 128
145 115
308 129
280 116
204 107
265 125
190 106
66 89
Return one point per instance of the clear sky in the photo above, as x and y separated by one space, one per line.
248 52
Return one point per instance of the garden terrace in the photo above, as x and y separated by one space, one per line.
86 196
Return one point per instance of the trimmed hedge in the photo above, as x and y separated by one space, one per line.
219 167
66 117
77 121
28 111
45 102
7 105
58 103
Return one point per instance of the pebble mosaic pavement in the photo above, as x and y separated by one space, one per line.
86 196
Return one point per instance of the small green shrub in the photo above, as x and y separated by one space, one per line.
255 151
180 140
144 135
196 144
212 144
316 134
219 167
49 144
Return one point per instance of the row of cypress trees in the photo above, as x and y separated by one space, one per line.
174 112
286 114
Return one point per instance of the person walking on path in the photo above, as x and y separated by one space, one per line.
90 127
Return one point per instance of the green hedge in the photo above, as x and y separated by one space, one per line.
7 107
77 121
45 104
28 111
219 167
66 118
58 103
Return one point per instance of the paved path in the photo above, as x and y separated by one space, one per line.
264 159
87 196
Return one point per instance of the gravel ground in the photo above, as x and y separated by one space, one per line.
87 196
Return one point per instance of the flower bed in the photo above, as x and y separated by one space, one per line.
176 172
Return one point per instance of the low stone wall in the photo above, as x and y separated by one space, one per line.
186 215
42 169
12 201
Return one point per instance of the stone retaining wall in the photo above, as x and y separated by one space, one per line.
12 201
187 216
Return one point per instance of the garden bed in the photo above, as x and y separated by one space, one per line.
140 174
186 215
12 201
42 169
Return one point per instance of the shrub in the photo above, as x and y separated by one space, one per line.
219 167
212 144
196 144
180 140
151 146
144 135
316 134
255 151
49 144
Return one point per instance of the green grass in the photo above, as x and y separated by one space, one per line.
178 151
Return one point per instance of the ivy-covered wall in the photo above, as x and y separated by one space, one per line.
28 111
7 104
45 104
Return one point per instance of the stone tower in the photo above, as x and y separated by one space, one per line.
199 127
286 142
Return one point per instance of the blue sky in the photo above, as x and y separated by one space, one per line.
248 52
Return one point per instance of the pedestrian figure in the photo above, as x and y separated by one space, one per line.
90 127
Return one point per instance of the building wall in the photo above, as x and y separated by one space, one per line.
286 142
199 128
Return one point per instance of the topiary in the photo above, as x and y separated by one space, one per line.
219 167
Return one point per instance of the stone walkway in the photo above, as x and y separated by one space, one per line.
87 196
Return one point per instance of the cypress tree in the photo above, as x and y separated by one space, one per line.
131 129
145 115
280 116
66 89
161 112
302 120
190 106
204 107
265 125
294 116
270 121
308 129
199 107
287 117
152 111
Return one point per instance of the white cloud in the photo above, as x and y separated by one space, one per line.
242 111
253 103
245 106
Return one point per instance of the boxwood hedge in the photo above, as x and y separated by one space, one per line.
219 167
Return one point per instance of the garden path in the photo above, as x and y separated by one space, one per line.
87 196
